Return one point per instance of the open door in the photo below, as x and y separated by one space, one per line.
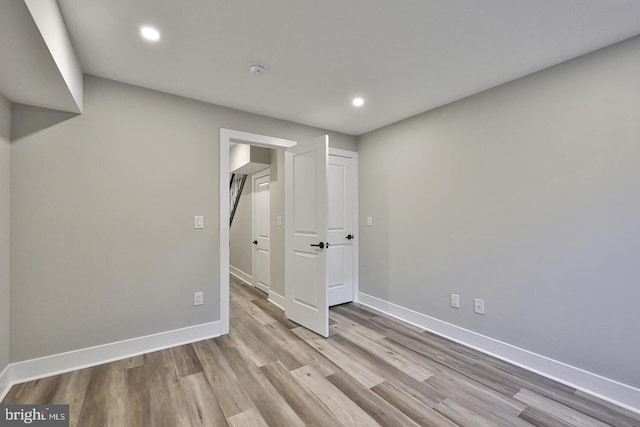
306 235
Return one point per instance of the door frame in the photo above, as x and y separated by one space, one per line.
356 226
254 177
226 137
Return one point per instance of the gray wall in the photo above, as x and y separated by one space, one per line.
527 195
5 169
102 245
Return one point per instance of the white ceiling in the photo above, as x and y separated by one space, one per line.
404 56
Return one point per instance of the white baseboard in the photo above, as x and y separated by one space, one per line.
55 364
276 299
241 275
607 389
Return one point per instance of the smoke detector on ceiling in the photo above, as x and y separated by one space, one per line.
257 69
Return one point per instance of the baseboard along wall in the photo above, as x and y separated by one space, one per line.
276 299
603 388
29 370
241 275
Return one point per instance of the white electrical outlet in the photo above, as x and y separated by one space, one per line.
478 305
455 300
198 298
369 221
279 220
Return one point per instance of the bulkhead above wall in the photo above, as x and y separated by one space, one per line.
247 159
39 64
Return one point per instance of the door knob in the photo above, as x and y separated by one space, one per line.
350 236
319 245
255 242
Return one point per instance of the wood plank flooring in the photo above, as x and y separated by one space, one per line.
372 370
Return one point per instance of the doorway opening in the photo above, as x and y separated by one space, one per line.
293 218
227 137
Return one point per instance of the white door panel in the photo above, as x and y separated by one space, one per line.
261 230
336 178
306 265
340 275
336 270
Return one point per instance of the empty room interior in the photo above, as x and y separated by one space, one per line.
289 213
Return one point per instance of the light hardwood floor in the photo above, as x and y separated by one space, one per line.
372 370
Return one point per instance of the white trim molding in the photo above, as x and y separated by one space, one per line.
5 382
56 364
603 388
223 228
276 299
241 275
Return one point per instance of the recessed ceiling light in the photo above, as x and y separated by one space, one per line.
149 33
358 102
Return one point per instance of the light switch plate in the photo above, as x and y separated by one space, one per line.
478 305
279 220
198 298
369 221
198 222
455 300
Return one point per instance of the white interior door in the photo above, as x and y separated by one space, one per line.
341 229
306 235
261 232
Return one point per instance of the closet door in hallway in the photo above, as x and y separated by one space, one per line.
261 233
